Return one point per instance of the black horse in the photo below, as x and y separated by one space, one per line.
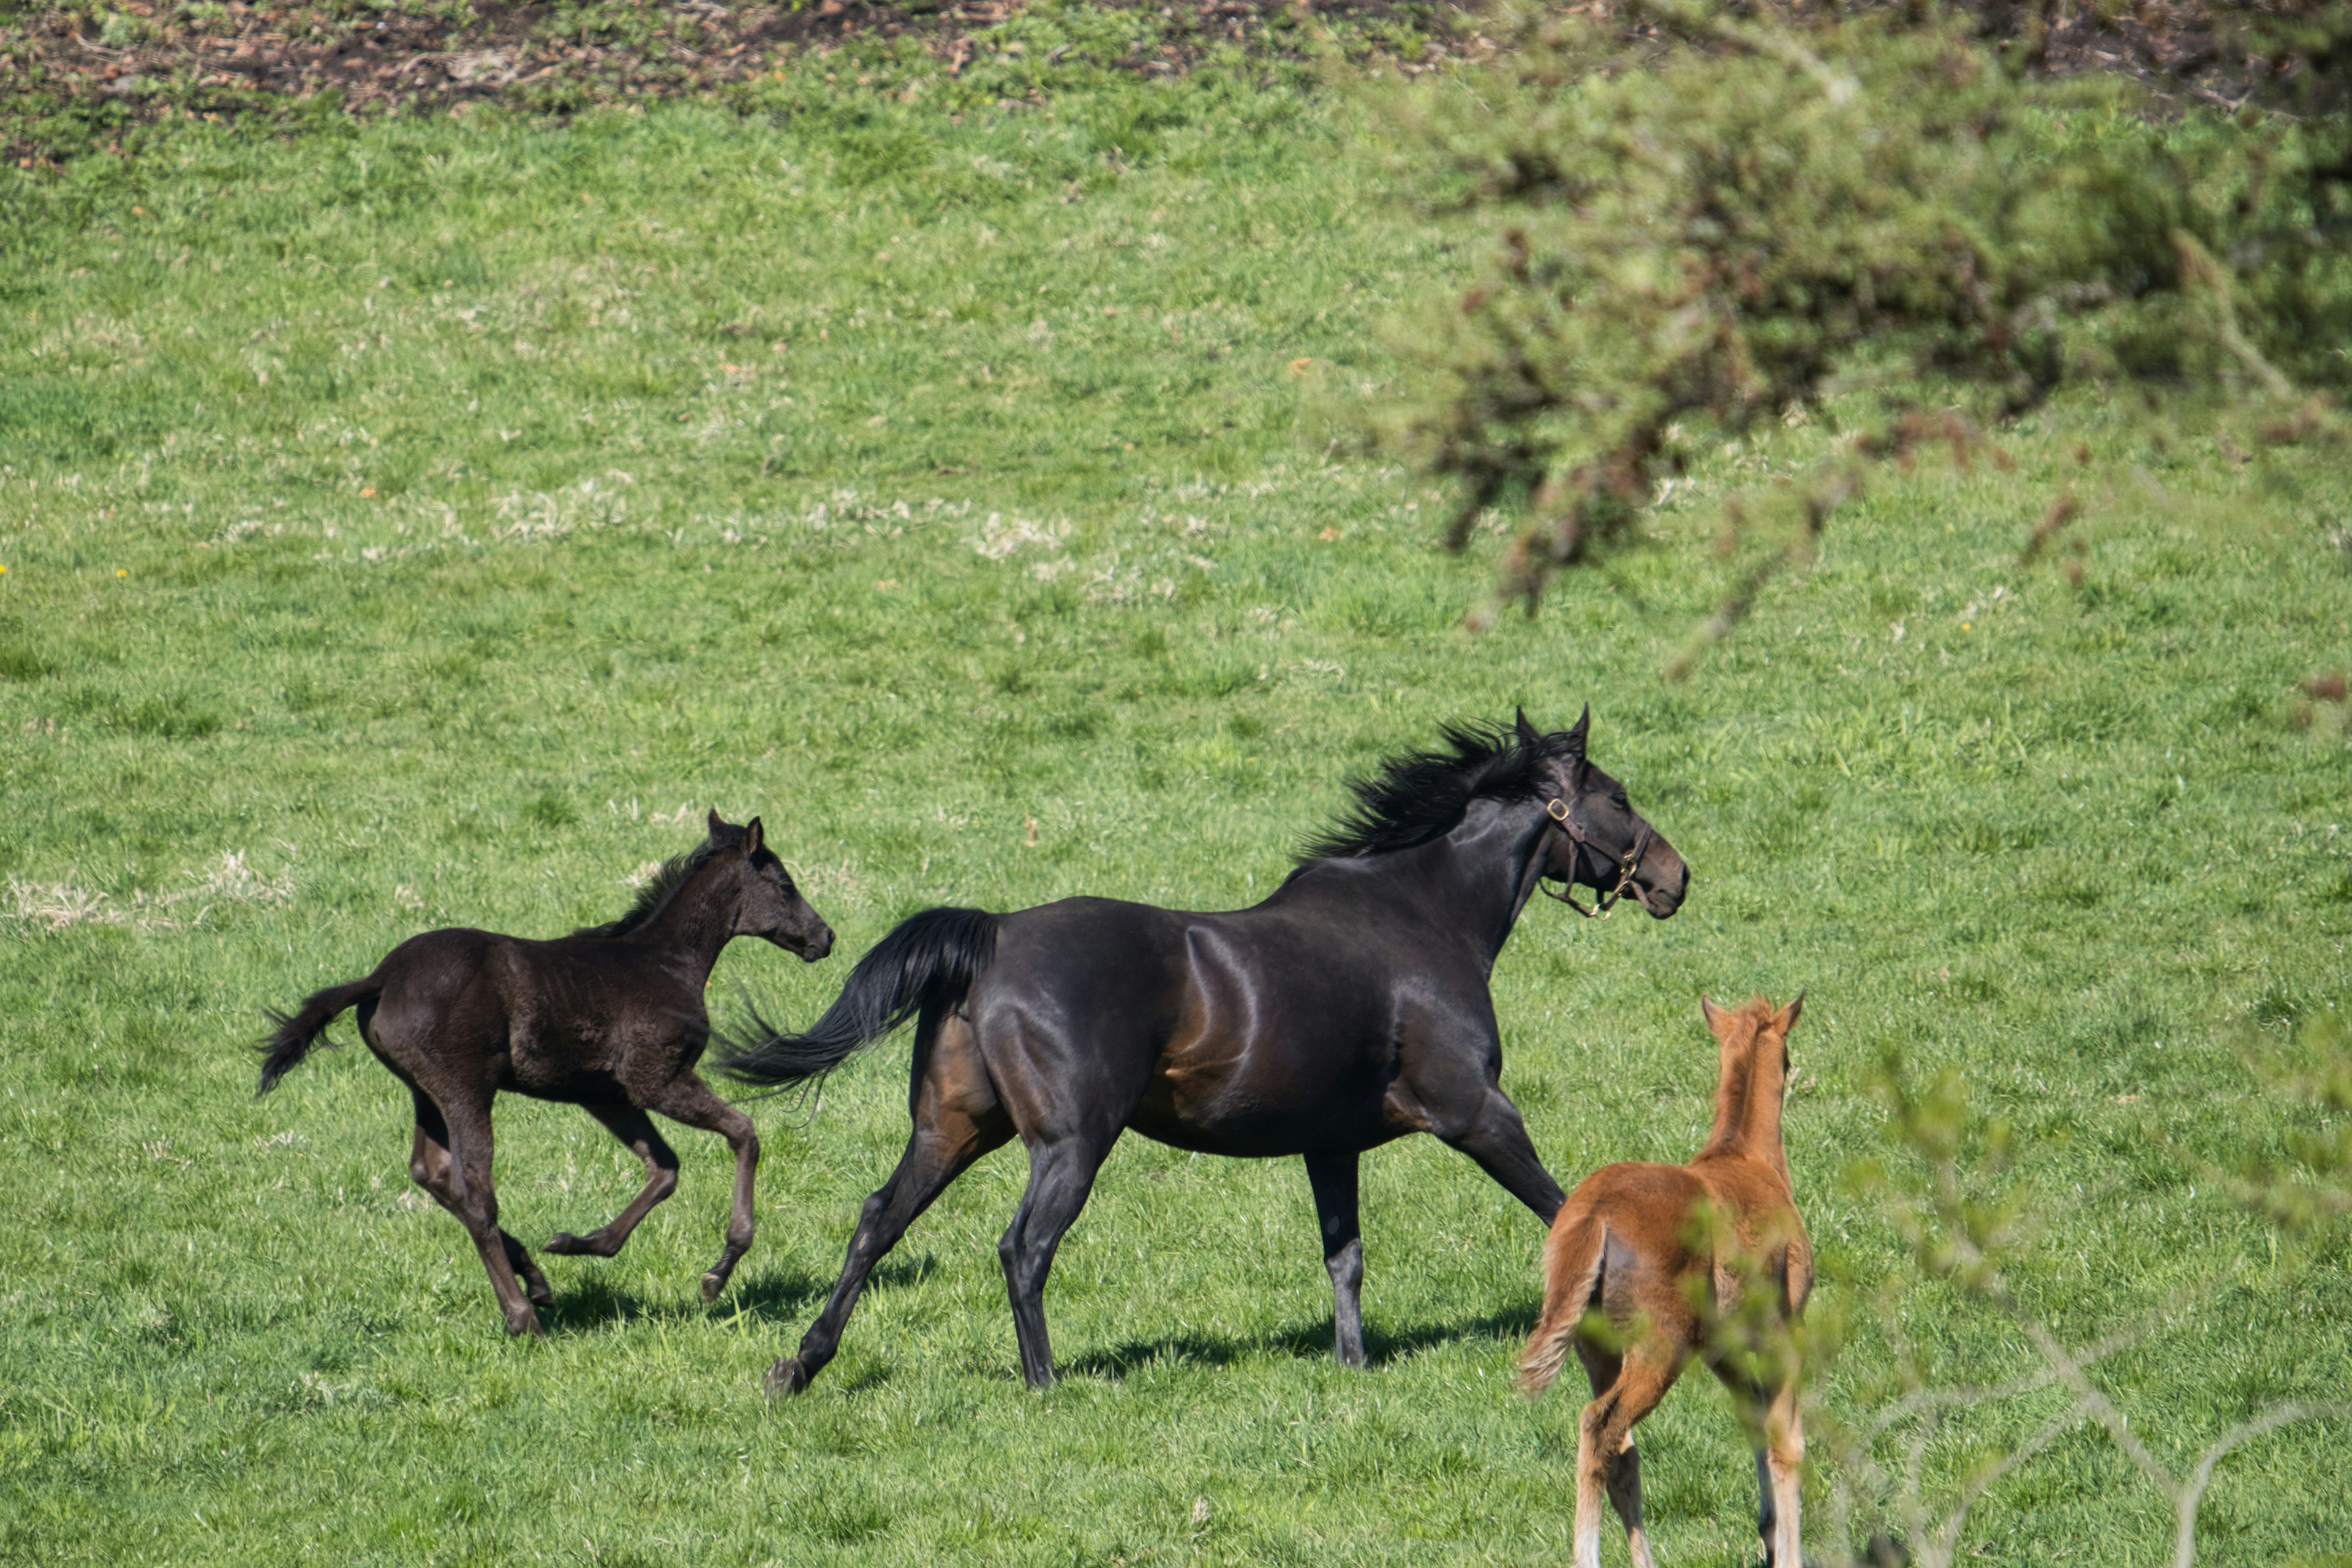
1348 1009
610 1018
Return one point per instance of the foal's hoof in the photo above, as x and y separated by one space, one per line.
786 1377
535 1285
563 1244
712 1284
526 1325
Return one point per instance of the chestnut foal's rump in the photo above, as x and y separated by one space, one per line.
1707 1260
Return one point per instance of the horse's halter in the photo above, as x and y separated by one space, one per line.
1628 866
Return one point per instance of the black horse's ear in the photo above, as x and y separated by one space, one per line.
753 836
1577 731
717 823
1528 734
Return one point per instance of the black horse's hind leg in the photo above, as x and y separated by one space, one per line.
943 1146
1333 1178
635 1128
471 1145
1061 1175
431 1166
688 1100
1493 1134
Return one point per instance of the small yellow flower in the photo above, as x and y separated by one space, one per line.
120 571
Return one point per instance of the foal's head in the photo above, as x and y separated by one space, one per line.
1602 841
767 904
1753 1076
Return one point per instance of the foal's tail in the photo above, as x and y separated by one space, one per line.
1571 1278
927 963
297 1032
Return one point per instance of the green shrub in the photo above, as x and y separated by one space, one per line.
1700 218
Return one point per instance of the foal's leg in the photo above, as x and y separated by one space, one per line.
1779 1468
471 1144
633 1128
945 1141
690 1099
1333 1179
1061 1175
1606 1460
431 1167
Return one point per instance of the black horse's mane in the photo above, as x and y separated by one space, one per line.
1420 795
658 889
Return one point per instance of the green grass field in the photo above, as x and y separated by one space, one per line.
423 524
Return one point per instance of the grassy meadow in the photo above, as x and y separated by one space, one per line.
423 523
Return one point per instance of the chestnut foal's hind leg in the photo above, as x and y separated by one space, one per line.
636 1130
688 1100
431 1166
1779 1465
1624 1389
1333 1179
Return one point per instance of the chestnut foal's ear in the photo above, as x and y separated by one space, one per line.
753 836
1528 734
716 823
1714 1015
1578 730
1786 1019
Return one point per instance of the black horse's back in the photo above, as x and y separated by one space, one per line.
927 962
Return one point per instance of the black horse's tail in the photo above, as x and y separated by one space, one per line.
298 1031
927 963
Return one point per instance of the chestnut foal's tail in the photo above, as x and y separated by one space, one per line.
925 965
297 1032
1571 1276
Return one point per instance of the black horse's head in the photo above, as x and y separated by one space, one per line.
1600 840
768 905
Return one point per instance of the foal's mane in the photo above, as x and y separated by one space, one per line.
661 886
1423 794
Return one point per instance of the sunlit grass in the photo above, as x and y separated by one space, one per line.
425 524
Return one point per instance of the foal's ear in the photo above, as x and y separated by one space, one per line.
1786 1019
1714 1015
753 836
1528 734
1578 730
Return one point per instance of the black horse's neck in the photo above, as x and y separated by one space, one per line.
698 921
1473 881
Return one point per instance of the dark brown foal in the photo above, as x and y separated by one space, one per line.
609 1018
1645 1266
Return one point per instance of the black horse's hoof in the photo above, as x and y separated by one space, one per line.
712 1284
786 1378
526 1327
535 1285
563 1244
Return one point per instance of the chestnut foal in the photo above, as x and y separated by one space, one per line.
1665 1255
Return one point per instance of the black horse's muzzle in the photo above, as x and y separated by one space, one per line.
810 945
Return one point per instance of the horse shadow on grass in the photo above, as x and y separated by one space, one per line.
1382 1347
767 1298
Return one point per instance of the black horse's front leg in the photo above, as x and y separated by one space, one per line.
1491 1133
1333 1179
